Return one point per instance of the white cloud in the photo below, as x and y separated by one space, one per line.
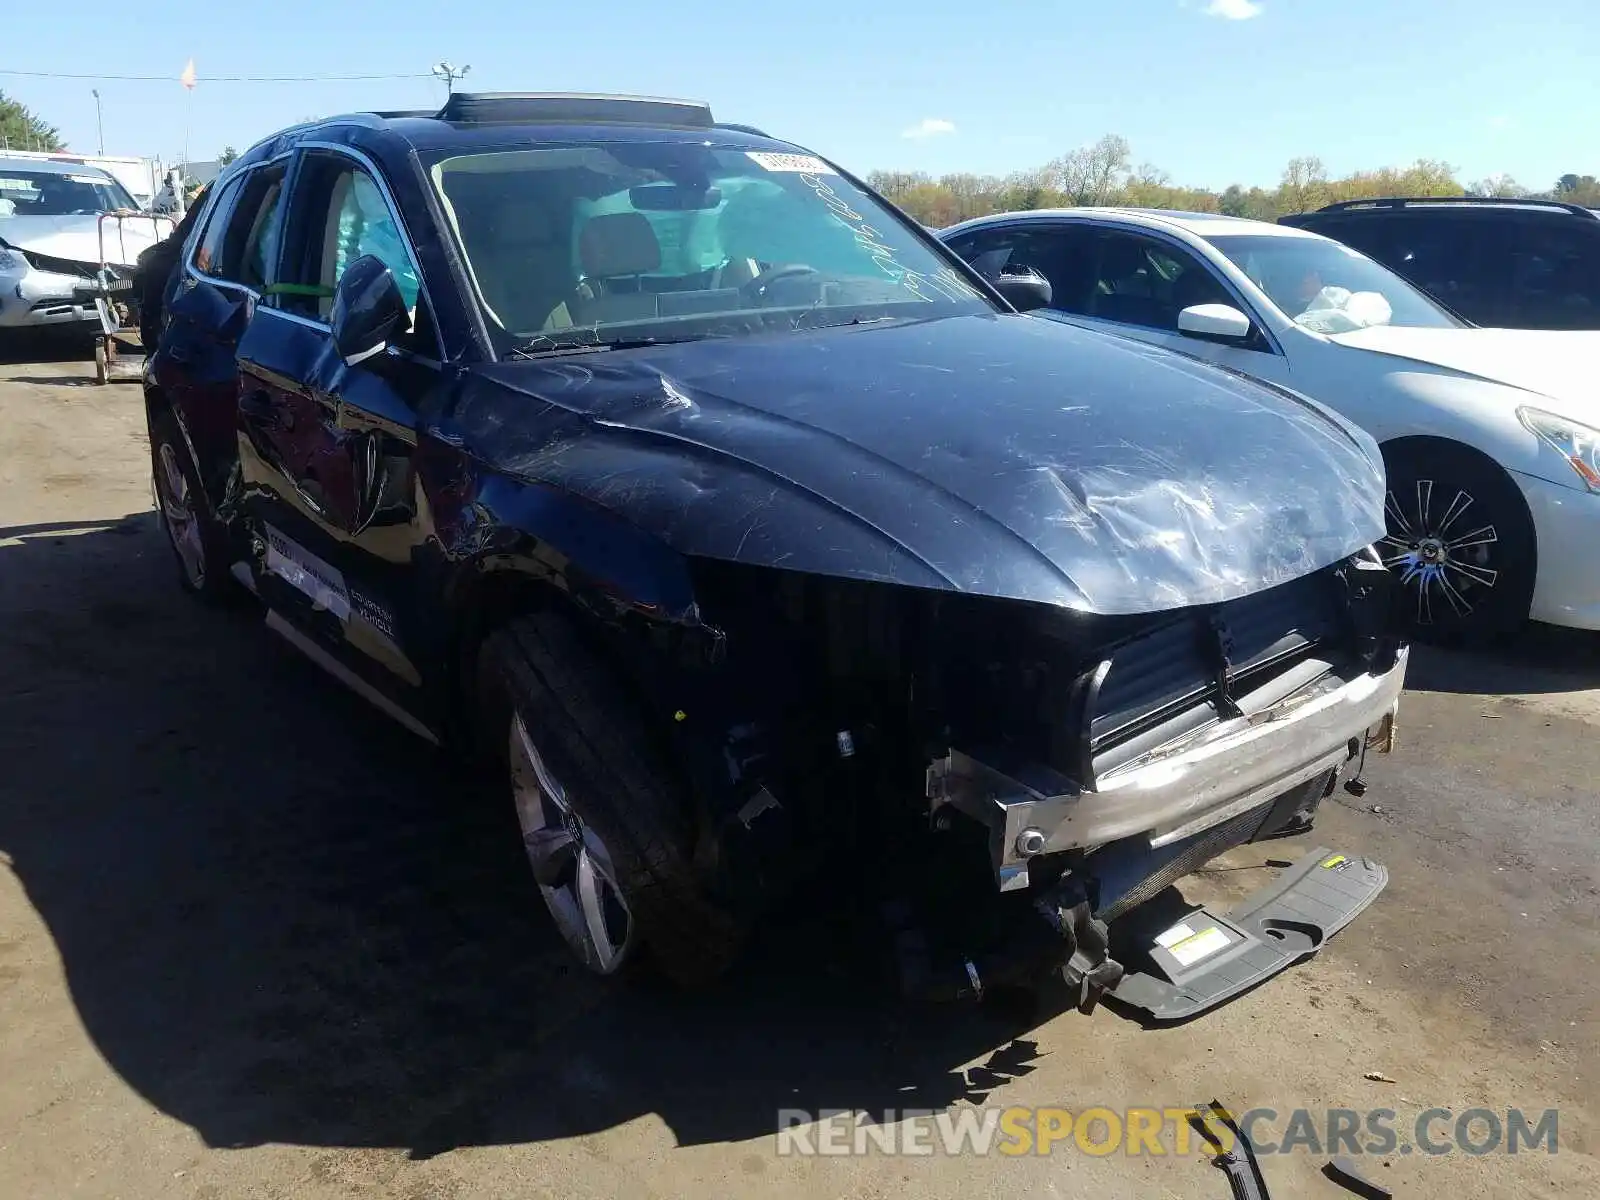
930 127
1499 123
1234 10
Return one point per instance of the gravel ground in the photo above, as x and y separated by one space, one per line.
256 941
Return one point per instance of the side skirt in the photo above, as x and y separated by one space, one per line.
349 678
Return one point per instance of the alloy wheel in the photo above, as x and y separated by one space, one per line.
179 516
1440 551
571 863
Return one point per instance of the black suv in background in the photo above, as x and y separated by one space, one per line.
1519 264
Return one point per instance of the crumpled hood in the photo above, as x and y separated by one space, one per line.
996 455
77 237
1553 362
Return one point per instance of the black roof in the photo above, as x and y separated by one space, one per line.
487 119
1481 203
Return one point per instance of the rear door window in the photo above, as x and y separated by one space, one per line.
248 251
1366 235
208 249
1556 282
1463 262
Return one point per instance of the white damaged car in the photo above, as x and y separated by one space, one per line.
1490 437
53 239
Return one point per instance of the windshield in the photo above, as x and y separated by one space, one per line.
621 242
1327 286
29 193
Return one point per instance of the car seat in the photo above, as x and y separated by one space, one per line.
521 257
615 249
1124 271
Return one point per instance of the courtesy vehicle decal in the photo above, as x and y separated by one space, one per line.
306 573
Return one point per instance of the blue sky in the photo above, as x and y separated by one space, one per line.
1214 91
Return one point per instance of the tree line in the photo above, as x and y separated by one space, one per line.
1104 174
21 130
1099 174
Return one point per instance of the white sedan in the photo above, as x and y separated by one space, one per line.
1491 437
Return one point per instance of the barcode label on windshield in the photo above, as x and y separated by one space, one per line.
806 164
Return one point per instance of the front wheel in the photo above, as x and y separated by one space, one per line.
605 825
1460 543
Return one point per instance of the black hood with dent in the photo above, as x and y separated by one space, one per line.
994 455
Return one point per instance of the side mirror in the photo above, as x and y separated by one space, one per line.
1024 290
1222 322
368 310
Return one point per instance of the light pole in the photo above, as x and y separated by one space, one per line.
99 122
449 74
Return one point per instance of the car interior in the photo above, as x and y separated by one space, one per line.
569 248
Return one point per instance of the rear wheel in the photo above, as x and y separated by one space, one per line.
604 823
1460 543
198 539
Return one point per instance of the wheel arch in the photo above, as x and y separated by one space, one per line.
489 592
157 404
213 481
1420 443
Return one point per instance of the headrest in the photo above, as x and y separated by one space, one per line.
618 244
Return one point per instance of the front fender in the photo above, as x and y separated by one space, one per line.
556 539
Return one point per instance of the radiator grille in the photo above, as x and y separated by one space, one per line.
1189 672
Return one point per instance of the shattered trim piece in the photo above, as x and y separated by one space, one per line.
1343 1172
1243 1171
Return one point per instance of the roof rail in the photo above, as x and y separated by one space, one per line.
1424 201
751 129
526 108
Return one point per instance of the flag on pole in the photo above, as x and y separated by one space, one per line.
188 77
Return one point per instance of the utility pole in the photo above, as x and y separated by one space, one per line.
99 121
448 73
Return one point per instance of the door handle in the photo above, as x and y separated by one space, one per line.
257 406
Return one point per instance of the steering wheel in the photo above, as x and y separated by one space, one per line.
756 288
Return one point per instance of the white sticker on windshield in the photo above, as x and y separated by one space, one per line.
805 164
17 185
94 179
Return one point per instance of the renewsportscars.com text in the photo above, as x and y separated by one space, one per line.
1161 1131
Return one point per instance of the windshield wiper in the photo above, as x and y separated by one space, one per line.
534 350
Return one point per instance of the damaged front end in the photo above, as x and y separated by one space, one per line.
57 270
1018 776
1018 622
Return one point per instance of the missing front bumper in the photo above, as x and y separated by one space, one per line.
1180 791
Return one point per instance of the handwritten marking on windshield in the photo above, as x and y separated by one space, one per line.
945 281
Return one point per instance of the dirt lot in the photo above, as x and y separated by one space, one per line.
256 941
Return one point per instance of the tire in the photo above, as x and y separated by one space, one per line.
1460 543
596 803
198 539
102 368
